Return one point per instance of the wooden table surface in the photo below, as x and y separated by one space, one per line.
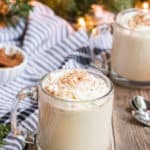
128 134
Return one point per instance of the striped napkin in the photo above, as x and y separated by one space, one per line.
50 44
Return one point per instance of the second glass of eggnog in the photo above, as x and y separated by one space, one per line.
130 59
75 111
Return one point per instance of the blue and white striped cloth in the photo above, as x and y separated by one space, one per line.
51 44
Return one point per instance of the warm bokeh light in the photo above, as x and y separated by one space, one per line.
145 5
81 22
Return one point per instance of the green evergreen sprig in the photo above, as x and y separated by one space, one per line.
118 5
12 10
4 130
70 9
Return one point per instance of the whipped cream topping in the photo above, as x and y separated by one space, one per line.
136 20
74 85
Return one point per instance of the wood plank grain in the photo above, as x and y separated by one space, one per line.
30 147
128 133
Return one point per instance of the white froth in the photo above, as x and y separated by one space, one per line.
138 25
75 85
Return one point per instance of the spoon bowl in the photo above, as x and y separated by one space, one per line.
141 109
138 103
142 117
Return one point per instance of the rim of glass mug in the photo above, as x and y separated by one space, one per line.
128 11
100 74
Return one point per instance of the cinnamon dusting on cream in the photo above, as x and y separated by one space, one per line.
139 19
73 78
75 84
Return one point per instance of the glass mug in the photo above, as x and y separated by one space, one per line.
130 56
70 125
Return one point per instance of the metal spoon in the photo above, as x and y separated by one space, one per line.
138 103
141 110
142 117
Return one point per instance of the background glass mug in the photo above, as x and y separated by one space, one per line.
70 125
130 57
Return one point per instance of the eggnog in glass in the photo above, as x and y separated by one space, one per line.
75 111
130 59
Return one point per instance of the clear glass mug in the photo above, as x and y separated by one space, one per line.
70 125
130 56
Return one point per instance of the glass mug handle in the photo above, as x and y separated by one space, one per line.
101 57
27 137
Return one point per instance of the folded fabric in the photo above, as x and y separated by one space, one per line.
44 30
16 33
12 33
